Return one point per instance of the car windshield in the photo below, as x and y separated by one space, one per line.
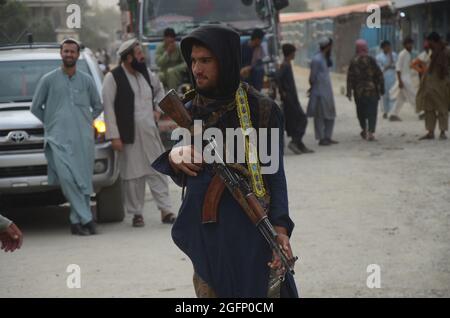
18 79
185 15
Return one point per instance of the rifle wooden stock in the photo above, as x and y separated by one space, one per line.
250 204
212 199
257 211
173 107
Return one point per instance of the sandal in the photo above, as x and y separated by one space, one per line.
169 218
363 134
138 221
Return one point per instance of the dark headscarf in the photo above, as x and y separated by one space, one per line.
225 44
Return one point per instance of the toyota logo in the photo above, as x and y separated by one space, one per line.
18 136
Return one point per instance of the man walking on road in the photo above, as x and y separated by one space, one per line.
366 83
386 61
434 91
66 101
404 90
130 93
321 100
294 116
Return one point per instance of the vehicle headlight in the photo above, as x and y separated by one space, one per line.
100 130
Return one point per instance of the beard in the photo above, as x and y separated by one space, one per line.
138 66
69 63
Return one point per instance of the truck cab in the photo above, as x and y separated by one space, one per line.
149 18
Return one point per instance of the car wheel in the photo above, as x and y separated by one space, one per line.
109 204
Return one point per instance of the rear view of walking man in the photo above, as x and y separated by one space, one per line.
321 101
295 117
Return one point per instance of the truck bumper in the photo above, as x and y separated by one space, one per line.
27 172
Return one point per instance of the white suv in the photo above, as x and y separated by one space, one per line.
23 167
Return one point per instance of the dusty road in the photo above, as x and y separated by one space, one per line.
354 204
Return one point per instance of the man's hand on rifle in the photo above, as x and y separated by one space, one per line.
283 242
186 159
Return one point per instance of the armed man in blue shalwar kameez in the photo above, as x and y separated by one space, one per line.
230 257
67 102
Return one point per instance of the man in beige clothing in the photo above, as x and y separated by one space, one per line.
434 92
130 95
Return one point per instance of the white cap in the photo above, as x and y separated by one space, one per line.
127 46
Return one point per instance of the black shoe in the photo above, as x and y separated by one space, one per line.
91 227
332 142
363 134
443 136
427 137
385 116
293 147
304 149
77 229
394 118
138 221
324 142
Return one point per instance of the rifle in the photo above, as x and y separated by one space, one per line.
234 182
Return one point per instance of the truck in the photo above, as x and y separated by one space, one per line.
147 19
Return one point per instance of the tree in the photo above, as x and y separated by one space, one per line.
14 17
16 22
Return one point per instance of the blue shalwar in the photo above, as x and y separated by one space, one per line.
321 101
67 107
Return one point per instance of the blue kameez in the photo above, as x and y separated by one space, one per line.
67 107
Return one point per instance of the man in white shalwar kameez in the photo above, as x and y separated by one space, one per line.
405 89
131 93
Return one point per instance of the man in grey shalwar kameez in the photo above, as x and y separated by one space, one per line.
67 102
130 93
321 102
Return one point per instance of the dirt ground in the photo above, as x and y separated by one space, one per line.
354 204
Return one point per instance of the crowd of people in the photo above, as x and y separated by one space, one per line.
423 82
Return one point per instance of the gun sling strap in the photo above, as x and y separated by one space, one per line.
252 173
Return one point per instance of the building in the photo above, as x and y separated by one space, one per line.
418 18
399 18
343 24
